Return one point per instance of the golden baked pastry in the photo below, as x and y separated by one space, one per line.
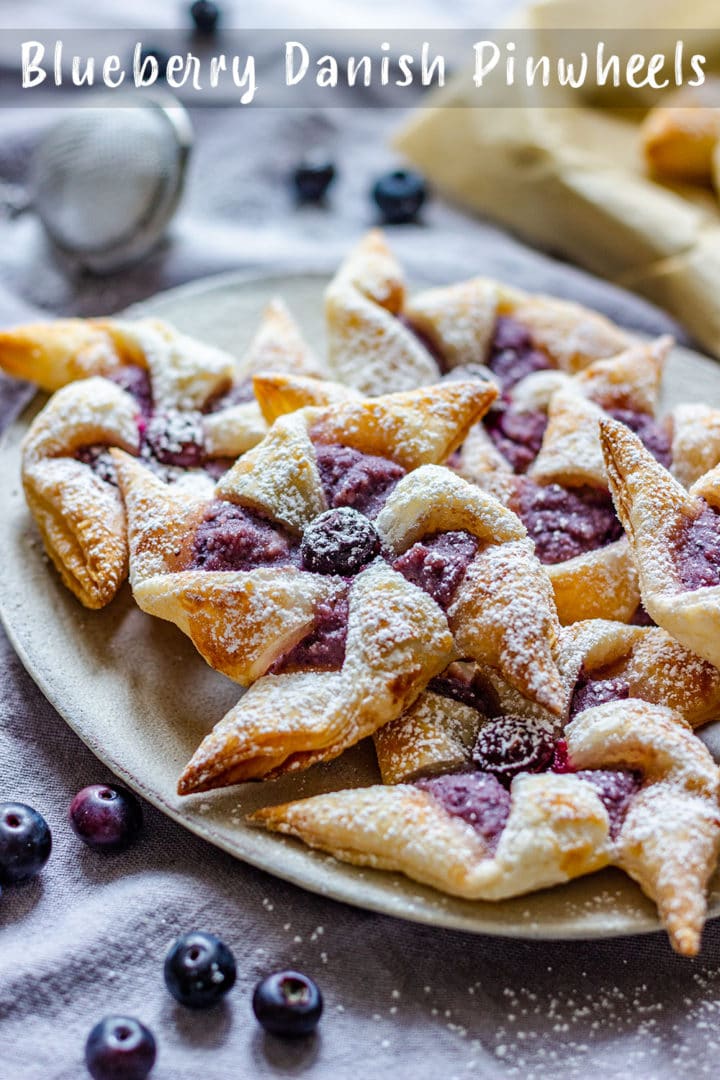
642 795
679 138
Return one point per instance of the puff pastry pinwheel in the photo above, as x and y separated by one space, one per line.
638 791
279 576
675 536
379 340
599 661
185 408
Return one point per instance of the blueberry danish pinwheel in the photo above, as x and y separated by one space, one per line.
637 790
184 408
278 579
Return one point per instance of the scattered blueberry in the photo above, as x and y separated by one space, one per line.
399 196
340 541
106 818
288 1004
199 970
120 1048
25 842
508 745
206 15
312 178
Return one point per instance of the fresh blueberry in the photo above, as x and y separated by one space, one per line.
312 178
399 196
206 15
106 818
25 842
120 1048
340 541
199 970
288 1004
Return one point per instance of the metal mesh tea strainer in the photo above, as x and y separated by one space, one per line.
105 181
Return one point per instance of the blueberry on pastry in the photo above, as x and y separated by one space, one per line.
639 791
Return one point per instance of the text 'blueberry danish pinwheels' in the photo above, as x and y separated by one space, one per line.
185 408
638 791
675 536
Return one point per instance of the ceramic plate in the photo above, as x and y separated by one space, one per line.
135 690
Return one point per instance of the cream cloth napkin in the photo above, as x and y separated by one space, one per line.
571 179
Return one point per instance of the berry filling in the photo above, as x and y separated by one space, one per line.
566 522
467 687
234 538
517 435
427 343
698 556
175 438
508 745
351 478
239 394
477 798
99 460
512 353
590 692
616 788
437 564
653 434
169 441
324 648
136 382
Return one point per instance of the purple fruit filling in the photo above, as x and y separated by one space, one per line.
698 555
566 522
512 353
351 478
238 394
135 381
217 467
616 788
468 688
340 541
324 648
508 745
589 692
99 460
437 564
477 798
426 342
517 435
641 618
653 434
234 538
176 438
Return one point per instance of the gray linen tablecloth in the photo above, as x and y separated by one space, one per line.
88 936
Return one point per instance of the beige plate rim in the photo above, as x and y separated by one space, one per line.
602 905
